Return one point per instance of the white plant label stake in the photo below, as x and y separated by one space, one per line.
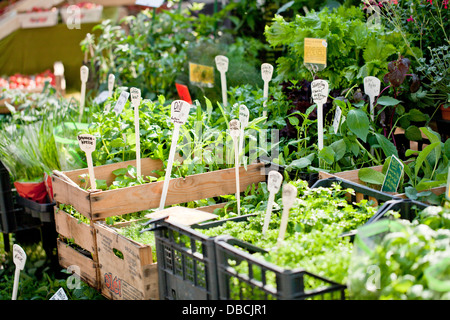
222 66
87 144
319 92
372 89
84 74
178 116
273 185
266 74
136 101
19 259
235 133
243 119
289 196
111 80
123 98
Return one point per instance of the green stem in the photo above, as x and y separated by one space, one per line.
368 153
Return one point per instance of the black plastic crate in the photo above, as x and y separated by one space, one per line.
361 192
407 208
187 261
254 284
42 211
289 282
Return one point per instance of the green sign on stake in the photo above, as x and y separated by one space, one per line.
393 175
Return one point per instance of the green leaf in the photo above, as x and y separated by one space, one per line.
294 121
413 133
358 123
387 146
422 156
416 115
120 172
299 163
327 154
371 176
339 148
411 193
425 185
387 101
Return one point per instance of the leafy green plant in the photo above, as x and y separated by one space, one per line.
411 259
354 50
424 170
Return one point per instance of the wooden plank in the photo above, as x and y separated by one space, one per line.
104 172
81 233
133 276
88 268
195 187
64 192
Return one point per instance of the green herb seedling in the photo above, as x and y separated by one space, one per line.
235 133
372 89
136 101
243 119
319 92
87 144
289 196
266 74
222 66
84 74
178 116
273 186
19 259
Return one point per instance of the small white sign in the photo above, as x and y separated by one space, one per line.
101 97
59 295
337 119
135 97
84 73
235 128
86 142
319 91
19 257
274 181
266 72
179 111
243 115
221 63
150 3
121 102
288 199
372 86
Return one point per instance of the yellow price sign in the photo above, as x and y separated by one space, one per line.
201 75
315 51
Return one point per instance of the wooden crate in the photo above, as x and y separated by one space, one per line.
135 276
102 204
70 230
126 267
352 175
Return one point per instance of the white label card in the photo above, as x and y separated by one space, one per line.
289 195
235 128
86 142
150 3
84 73
266 71
221 63
59 295
274 181
19 257
243 115
135 96
101 97
337 119
179 111
372 86
121 102
319 91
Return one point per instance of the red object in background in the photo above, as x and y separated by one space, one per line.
183 92
48 186
35 191
21 81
